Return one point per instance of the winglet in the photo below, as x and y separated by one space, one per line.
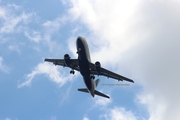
131 81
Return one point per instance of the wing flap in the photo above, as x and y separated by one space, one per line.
114 75
108 73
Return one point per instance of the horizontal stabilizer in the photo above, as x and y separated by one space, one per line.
95 92
83 90
100 94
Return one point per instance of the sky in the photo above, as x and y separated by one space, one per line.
137 39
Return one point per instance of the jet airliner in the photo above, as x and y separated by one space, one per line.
87 69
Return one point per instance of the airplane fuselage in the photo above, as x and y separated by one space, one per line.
84 60
87 69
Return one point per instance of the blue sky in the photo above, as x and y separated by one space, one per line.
138 39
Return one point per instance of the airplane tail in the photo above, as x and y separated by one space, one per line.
95 92
97 82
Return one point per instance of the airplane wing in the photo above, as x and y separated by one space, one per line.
108 73
74 64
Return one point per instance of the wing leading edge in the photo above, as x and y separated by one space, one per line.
73 64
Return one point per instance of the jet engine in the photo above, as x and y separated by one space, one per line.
98 67
67 59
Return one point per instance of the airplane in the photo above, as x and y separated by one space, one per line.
87 69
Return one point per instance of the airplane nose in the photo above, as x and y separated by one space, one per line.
79 40
80 37
79 43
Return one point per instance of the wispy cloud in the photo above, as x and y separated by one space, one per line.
53 26
33 36
49 29
10 21
65 95
46 35
48 69
14 48
3 67
13 20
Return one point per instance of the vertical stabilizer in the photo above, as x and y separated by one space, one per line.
97 82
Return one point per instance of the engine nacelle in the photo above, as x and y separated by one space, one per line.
98 67
67 59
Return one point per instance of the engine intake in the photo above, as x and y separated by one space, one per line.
98 67
67 59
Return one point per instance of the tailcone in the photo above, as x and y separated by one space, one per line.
92 92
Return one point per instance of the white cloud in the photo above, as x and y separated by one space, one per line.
33 36
118 114
51 27
2 12
48 69
156 107
101 101
85 118
13 19
3 67
11 22
72 45
109 21
156 61
144 36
